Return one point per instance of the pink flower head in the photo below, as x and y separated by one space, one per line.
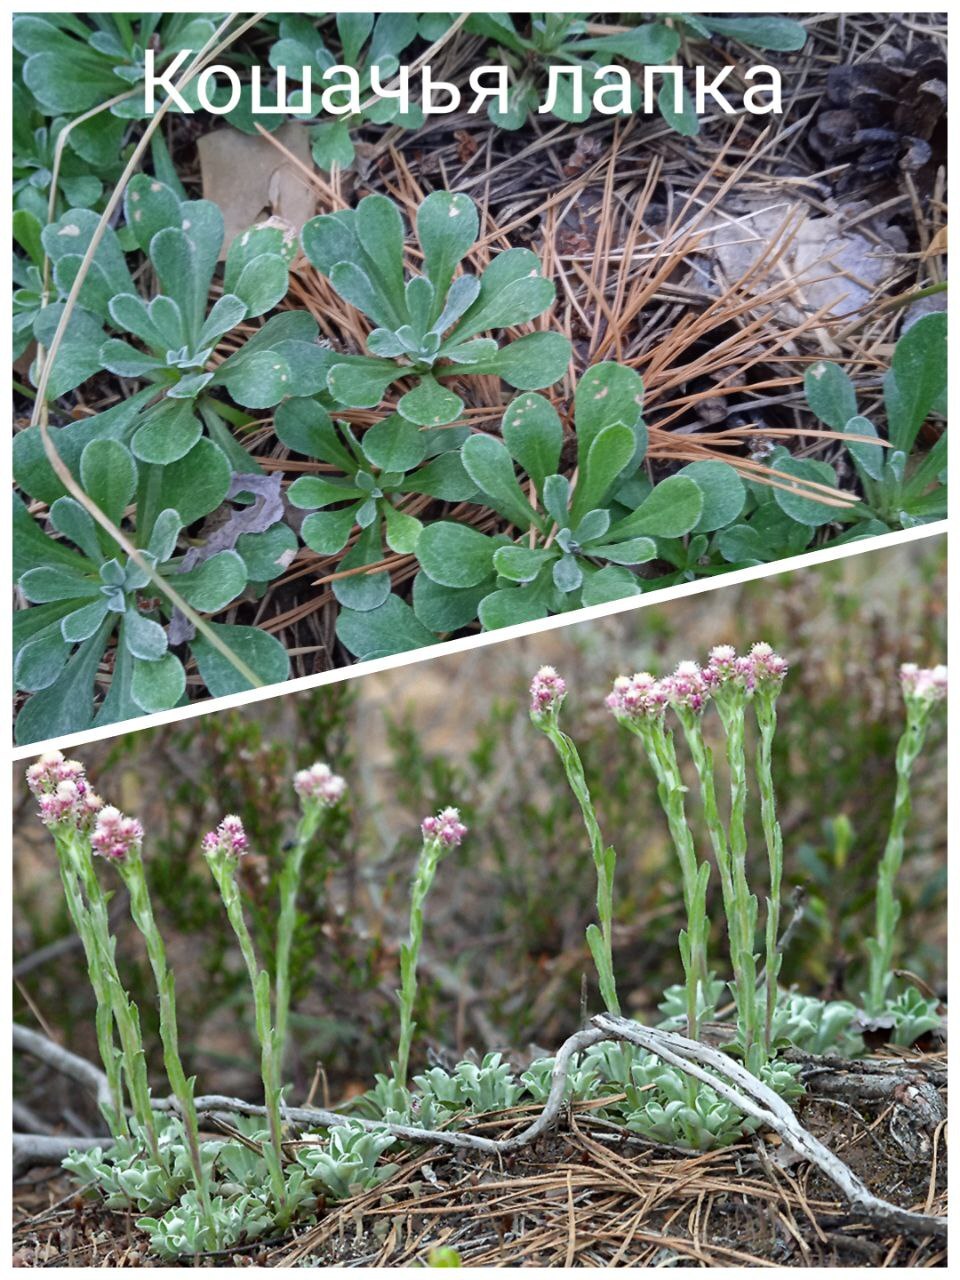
721 666
547 691
927 684
686 688
320 783
638 697
446 828
116 836
64 793
767 669
229 839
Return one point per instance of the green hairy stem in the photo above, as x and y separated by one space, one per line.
765 706
661 752
599 940
223 871
125 1012
289 886
733 717
430 855
141 909
880 947
692 724
110 1055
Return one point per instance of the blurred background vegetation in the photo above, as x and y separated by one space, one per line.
504 963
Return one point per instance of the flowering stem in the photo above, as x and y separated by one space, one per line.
440 834
110 1055
733 718
289 886
658 744
765 706
124 1010
223 869
599 940
880 947
427 864
141 909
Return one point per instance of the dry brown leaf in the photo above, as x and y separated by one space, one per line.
251 180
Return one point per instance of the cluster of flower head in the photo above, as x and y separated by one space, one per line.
927 684
229 839
62 789
115 836
638 697
446 828
547 690
319 783
643 697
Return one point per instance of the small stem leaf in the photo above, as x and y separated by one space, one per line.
868 458
473 351
462 294
556 499
126 361
652 43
